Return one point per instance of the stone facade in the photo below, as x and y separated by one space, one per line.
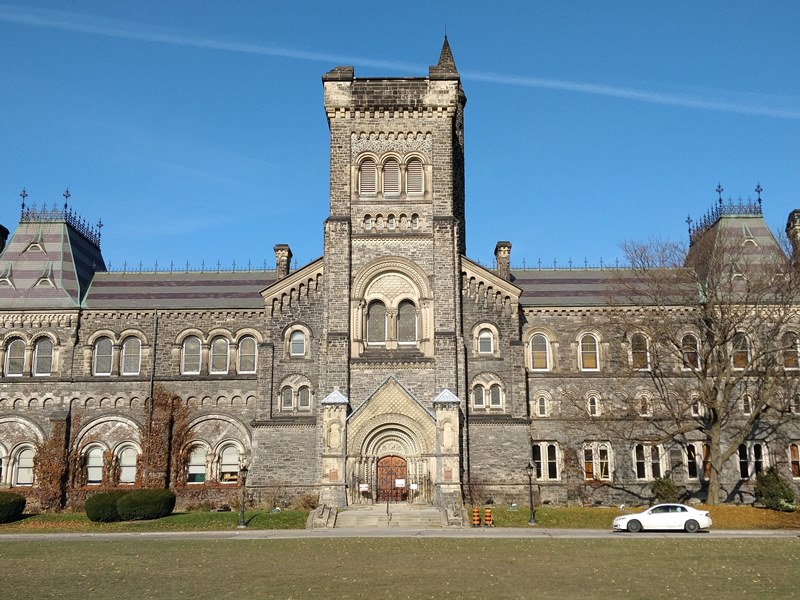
393 368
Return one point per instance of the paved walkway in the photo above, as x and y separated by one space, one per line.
456 533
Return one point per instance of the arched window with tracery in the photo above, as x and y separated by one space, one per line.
407 323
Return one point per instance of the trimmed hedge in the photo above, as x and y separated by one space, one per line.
11 506
102 507
141 505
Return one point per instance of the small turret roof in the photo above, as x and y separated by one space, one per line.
446 67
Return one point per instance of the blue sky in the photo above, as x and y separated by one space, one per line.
195 130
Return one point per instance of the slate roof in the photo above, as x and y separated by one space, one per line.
192 290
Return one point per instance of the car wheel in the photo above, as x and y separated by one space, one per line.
691 526
634 526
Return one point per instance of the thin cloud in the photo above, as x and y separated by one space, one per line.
720 101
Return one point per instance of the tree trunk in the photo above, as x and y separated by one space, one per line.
714 435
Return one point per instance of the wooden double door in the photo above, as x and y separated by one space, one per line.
392 479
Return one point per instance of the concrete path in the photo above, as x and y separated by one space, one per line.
532 533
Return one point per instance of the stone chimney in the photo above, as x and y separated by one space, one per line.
793 233
283 260
502 255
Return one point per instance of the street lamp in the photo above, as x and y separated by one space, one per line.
243 468
530 469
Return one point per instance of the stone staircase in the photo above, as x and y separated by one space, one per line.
401 516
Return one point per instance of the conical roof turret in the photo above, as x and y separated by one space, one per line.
446 67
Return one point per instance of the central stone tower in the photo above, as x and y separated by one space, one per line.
392 333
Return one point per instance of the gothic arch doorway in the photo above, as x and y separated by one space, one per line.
392 474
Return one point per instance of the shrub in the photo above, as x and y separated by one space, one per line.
306 502
11 506
102 507
141 505
665 490
773 491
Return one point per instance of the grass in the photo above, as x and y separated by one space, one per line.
179 521
579 517
628 567
575 517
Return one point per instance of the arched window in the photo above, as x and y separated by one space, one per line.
15 358
495 397
196 465
415 179
190 361
127 464
407 323
747 405
540 353
647 461
376 323
597 461
741 351
391 178
542 406
219 355
593 406
367 178
304 398
229 464
297 344
93 465
103 353
640 356
247 355
589 353
23 467
791 351
690 348
287 398
43 357
752 457
794 460
485 341
415 221
644 406
131 356
478 400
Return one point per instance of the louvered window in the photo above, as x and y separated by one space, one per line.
415 181
391 178
367 178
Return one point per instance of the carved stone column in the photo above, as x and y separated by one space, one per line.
446 478
334 449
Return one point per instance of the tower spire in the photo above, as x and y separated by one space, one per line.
446 67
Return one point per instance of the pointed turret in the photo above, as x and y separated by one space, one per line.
446 67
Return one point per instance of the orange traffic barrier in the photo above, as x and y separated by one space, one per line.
476 517
487 517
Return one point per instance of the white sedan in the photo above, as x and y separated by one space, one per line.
665 516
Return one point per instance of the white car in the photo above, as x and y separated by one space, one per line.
665 516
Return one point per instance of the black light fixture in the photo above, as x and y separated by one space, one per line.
243 469
531 469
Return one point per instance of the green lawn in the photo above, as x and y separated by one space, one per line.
685 567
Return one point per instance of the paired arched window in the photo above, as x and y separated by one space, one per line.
43 357
791 350
229 464
23 467
376 323
247 355
127 458
640 353
219 356
15 358
752 459
93 465
741 351
191 355
590 353
690 351
103 356
487 397
296 398
648 461
131 356
540 352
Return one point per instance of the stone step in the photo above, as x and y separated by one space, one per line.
400 516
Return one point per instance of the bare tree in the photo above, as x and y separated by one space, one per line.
718 323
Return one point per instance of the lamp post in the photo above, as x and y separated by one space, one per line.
530 469
243 468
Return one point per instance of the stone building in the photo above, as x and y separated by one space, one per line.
392 368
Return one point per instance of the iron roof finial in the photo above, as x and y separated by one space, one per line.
23 194
67 196
720 189
759 189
